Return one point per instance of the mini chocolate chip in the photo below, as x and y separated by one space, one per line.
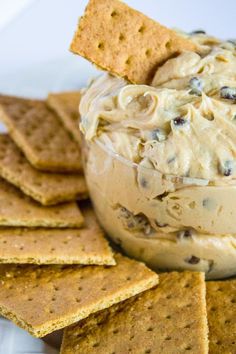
198 31
135 222
196 86
162 196
228 93
184 234
171 159
205 202
192 260
227 168
159 224
179 121
209 203
187 233
227 172
144 182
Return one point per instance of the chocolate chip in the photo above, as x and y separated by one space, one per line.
198 31
137 222
161 196
205 202
179 121
144 183
228 93
227 172
192 260
184 234
226 169
159 224
171 159
187 233
196 86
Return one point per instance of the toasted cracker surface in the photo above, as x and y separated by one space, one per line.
221 309
47 188
17 209
39 133
125 42
66 105
42 299
56 246
170 318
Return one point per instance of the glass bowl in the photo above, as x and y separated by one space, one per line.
169 222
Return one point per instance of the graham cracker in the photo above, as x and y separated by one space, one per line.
46 188
42 299
124 41
16 209
66 105
40 135
221 309
170 318
56 246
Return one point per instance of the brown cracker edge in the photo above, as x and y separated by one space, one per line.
109 261
55 325
38 197
29 151
42 197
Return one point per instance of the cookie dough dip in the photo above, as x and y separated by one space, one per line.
160 160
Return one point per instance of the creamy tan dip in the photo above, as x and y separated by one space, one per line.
161 160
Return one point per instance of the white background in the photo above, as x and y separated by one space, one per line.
34 58
34 54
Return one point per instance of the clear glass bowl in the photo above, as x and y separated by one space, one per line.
169 222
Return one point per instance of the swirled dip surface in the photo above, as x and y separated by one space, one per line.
163 157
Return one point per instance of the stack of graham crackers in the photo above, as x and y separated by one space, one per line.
58 268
